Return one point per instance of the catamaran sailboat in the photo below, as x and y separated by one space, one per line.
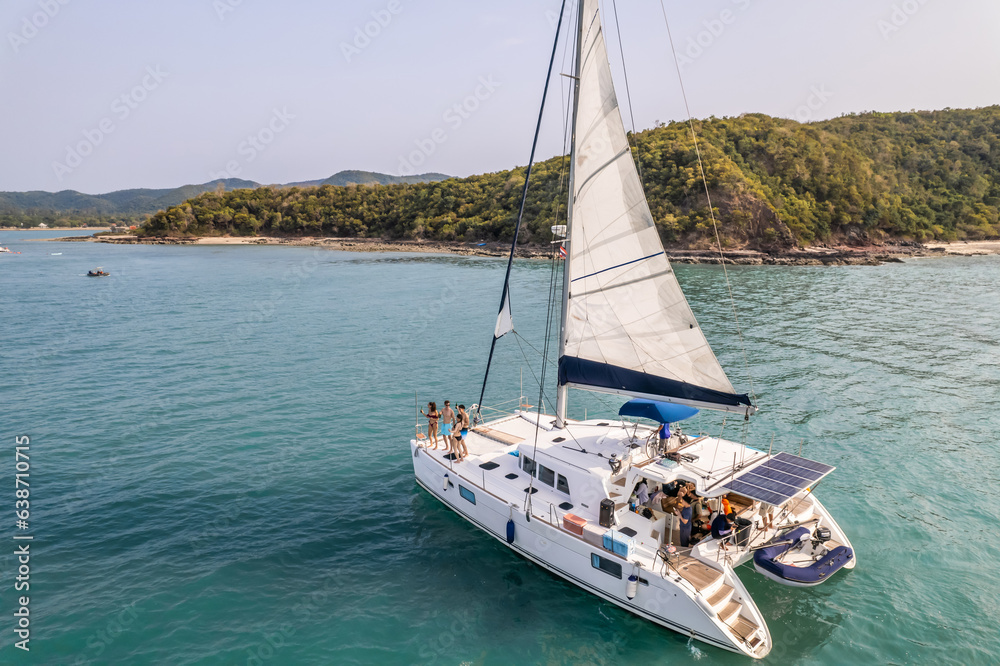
560 491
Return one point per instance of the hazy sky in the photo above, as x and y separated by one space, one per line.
108 95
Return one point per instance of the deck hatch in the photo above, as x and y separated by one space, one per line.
779 479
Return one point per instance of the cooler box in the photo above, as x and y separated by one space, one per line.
593 534
619 544
574 524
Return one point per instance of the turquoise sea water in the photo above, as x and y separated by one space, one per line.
220 472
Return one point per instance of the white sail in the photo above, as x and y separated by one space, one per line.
505 323
628 327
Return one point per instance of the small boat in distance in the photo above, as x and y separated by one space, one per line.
55 254
100 272
7 250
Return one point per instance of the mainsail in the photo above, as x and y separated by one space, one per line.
627 327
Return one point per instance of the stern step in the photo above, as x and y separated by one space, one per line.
747 629
703 577
730 612
721 597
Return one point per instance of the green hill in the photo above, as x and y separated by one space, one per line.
774 182
71 208
345 178
122 202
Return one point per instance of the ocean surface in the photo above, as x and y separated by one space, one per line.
220 475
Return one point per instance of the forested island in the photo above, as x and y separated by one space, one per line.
69 208
858 179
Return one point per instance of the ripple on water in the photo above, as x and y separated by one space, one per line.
233 464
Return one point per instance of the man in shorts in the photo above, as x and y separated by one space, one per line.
447 419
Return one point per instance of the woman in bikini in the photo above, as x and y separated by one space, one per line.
433 415
462 426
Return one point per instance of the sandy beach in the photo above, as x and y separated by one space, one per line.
819 255
966 248
91 229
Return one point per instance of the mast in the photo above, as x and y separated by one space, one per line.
562 390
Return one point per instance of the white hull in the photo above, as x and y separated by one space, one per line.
667 600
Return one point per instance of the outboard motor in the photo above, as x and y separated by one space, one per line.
823 534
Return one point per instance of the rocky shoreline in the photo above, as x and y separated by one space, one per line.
821 255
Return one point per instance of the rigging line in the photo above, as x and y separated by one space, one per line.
545 355
518 338
531 346
563 92
566 110
504 296
550 309
711 210
628 95
525 356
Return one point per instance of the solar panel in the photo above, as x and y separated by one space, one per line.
779 479
756 493
805 462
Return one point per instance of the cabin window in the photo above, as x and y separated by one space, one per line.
528 466
606 565
546 475
562 485
467 494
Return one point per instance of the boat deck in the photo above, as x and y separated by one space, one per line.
494 465
500 450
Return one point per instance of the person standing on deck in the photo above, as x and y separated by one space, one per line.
685 518
433 416
447 419
462 426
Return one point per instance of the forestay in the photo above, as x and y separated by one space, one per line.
628 327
